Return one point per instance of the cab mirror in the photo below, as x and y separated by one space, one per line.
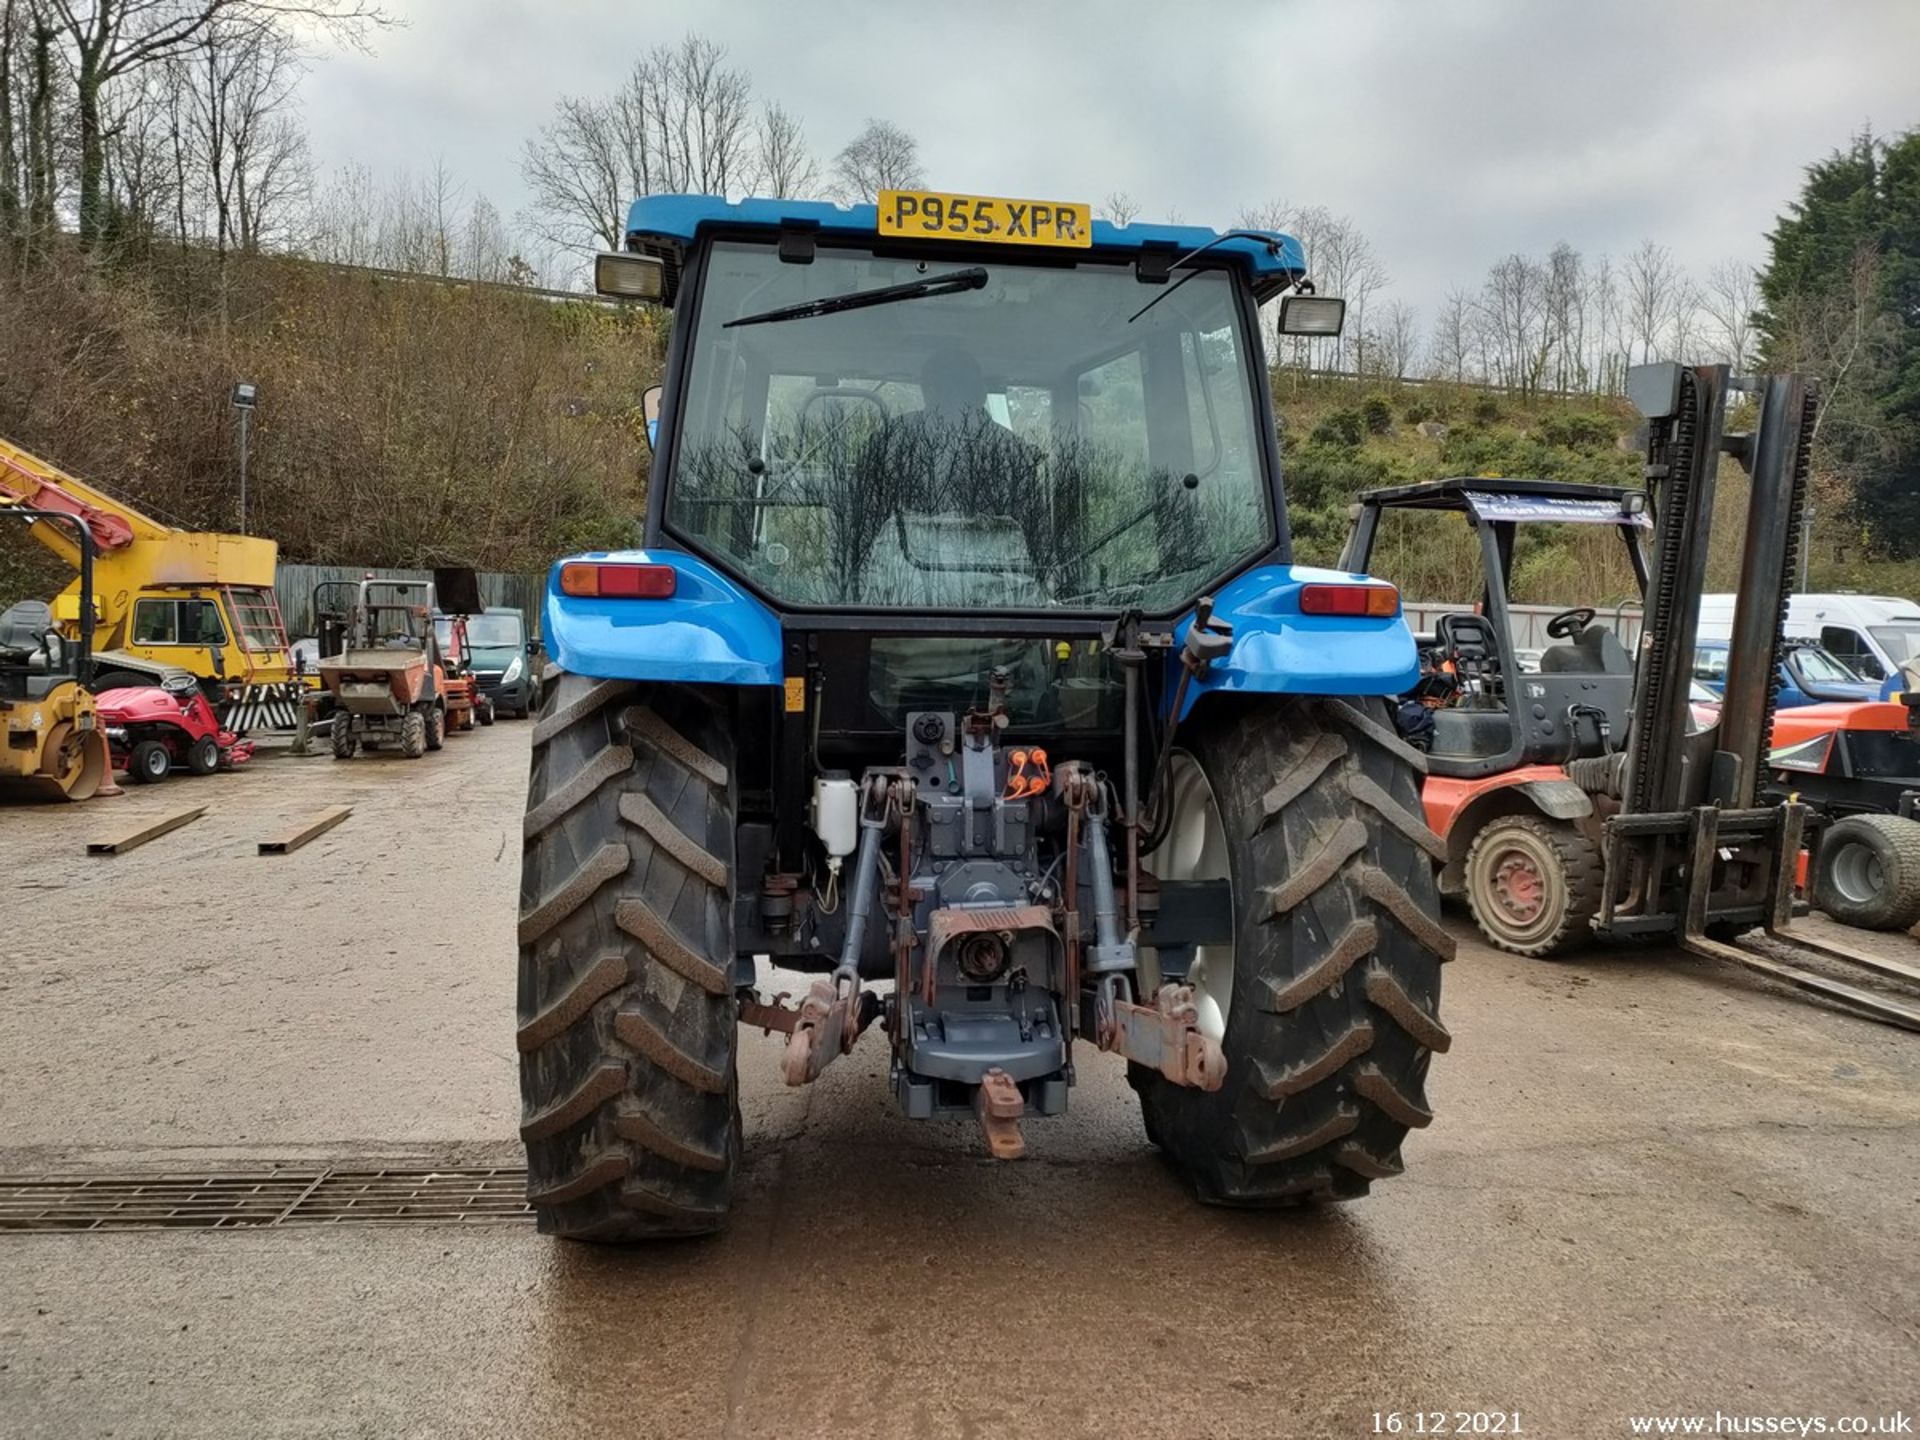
650 409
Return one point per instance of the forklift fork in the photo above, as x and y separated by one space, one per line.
1693 935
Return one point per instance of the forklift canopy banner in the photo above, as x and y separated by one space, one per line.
1551 507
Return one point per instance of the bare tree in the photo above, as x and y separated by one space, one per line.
1609 344
786 167
1342 262
1397 340
1513 317
108 40
13 32
1120 207
1267 215
1689 320
702 115
1652 282
881 157
1730 298
251 158
1451 349
1566 310
681 121
486 252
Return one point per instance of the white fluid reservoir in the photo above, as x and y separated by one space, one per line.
836 813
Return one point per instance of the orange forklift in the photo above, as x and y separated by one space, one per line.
1588 798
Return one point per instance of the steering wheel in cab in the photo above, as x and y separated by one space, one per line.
1569 623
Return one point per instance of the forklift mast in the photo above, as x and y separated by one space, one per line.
1686 408
1694 849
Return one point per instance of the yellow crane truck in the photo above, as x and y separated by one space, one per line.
166 600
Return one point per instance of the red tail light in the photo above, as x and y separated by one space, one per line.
609 581
1377 601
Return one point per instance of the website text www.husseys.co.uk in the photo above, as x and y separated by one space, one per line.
1721 1423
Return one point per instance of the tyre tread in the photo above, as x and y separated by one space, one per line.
627 1017
1326 1065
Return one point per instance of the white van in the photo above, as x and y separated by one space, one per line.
1874 635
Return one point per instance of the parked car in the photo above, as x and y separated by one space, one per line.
505 661
1808 674
1872 635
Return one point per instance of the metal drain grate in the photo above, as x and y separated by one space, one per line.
243 1200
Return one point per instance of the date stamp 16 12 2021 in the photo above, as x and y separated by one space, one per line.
1446 1422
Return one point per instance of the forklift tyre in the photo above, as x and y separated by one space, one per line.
413 735
150 763
203 756
344 743
1869 872
1312 808
1533 885
628 1022
435 721
486 712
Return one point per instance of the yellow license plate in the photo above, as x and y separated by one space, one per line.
927 214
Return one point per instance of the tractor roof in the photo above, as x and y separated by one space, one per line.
666 224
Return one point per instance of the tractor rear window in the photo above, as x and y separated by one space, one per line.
1017 442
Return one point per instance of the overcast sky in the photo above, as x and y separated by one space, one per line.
1452 131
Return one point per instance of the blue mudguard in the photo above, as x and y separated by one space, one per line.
1279 651
708 632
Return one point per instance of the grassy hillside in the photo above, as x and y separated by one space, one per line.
401 423
1341 437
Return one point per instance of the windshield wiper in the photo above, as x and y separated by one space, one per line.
951 283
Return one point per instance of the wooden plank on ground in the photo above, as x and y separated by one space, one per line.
152 830
299 836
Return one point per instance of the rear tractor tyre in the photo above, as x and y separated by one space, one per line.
627 1015
413 735
121 680
435 721
1326 1003
203 756
1869 872
150 763
344 743
1533 884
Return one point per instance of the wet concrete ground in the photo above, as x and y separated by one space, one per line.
1654 1185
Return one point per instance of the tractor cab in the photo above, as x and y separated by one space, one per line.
1495 703
964 651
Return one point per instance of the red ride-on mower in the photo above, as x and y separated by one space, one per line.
156 729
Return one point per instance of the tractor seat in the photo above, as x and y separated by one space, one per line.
24 626
1594 651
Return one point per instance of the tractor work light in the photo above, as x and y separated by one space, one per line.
1375 601
1312 315
630 277
593 579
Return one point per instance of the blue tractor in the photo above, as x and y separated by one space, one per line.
964 665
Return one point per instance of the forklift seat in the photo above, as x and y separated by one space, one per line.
1473 734
1594 651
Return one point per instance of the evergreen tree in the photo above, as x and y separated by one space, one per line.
1840 299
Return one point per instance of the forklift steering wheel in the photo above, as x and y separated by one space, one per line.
1569 623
